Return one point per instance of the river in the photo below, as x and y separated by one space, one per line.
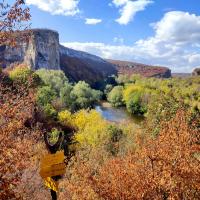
116 114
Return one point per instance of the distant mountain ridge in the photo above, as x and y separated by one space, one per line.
130 68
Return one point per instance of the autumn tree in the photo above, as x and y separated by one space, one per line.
165 168
17 133
13 19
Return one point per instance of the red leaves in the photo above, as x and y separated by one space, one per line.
162 168
16 106
13 19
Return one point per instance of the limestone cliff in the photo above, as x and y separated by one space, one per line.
44 51
41 51
196 72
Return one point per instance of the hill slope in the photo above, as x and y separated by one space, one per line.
130 68
79 65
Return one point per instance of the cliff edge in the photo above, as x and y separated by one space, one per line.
44 51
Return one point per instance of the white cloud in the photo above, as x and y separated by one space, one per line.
57 7
129 8
92 21
175 44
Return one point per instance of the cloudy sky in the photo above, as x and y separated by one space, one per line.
159 32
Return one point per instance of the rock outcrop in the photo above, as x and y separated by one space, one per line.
130 68
196 72
41 51
44 51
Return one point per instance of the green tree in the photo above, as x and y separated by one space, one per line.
108 89
45 95
115 97
65 95
134 104
84 96
55 79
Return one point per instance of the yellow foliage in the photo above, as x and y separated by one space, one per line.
20 73
129 90
66 118
91 128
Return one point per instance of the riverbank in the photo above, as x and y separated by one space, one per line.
118 115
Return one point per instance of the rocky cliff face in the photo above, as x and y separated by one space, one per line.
41 51
44 51
130 68
196 72
80 65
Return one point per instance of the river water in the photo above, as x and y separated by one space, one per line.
116 114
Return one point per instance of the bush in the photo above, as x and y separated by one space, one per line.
70 97
55 79
108 89
84 96
66 118
20 73
162 168
92 131
115 97
134 96
45 95
49 111
54 135
115 135
65 96
161 108
134 104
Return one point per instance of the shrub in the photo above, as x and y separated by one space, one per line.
84 96
108 89
55 79
92 129
161 108
165 168
66 97
45 95
115 97
134 98
54 135
115 135
49 111
66 118
20 73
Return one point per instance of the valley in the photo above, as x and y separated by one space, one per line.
101 125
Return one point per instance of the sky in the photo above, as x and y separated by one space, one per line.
156 32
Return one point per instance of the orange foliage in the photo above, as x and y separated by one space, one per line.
13 19
18 134
162 168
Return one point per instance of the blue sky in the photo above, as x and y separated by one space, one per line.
159 32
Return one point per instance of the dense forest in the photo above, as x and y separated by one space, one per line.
160 159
